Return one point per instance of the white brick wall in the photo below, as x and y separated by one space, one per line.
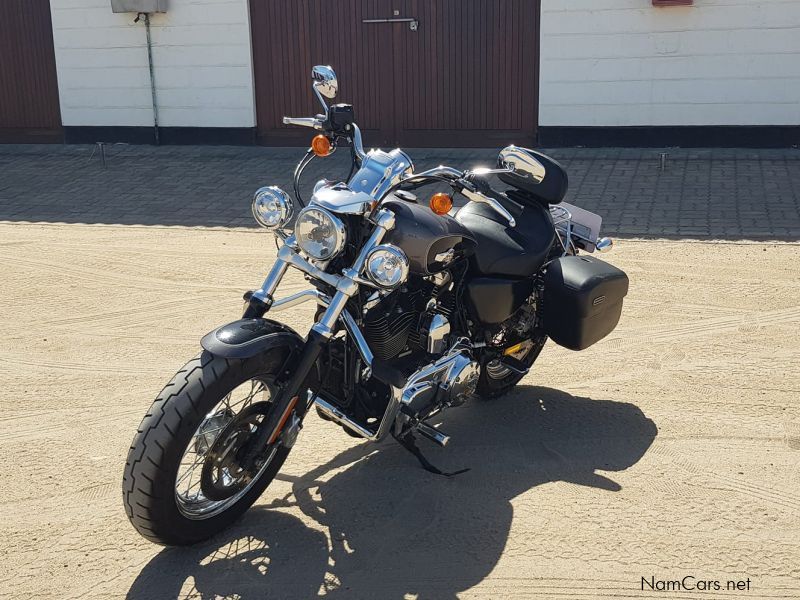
201 52
625 62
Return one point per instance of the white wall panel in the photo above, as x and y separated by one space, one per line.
625 62
201 52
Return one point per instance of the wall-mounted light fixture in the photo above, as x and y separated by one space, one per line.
673 2
138 6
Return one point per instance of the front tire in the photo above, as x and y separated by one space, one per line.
190 416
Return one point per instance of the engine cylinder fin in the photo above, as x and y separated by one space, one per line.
387 334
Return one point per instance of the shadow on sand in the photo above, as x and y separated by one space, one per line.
396 529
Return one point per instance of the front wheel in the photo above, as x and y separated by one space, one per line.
183 482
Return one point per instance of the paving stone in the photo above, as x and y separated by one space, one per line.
702 193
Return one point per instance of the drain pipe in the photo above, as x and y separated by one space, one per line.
152 74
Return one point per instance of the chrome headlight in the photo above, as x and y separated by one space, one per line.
387 266
272 207
319 233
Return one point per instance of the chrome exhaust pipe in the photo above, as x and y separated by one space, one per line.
329 411
336 415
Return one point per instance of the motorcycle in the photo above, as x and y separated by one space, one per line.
420 307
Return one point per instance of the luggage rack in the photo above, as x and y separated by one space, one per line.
562 221
577 229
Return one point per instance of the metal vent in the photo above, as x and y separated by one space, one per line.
138 6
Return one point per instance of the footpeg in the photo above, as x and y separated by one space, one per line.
433 434
514 365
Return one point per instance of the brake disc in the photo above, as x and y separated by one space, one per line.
222 476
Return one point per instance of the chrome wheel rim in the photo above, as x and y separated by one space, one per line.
190 499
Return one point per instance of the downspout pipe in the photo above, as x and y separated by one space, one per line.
152 76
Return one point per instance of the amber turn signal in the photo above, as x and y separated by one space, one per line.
321 145
441 203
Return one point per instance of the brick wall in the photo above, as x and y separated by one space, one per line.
202 60
625 62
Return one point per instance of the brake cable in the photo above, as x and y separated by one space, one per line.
298 172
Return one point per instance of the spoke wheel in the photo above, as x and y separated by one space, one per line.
203 420
209 478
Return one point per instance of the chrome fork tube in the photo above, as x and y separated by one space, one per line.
265 293
348 285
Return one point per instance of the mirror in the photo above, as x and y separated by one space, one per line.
325 82
523 162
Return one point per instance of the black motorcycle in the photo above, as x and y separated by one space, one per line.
420 307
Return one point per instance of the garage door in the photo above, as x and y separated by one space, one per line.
29 109
418 72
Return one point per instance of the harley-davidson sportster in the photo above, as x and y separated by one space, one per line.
420 307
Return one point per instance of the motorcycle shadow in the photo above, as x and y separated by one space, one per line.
395 529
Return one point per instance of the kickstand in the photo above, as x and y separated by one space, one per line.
408 442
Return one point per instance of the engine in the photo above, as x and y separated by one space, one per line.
410 326
412 320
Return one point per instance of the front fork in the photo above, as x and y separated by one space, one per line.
291 395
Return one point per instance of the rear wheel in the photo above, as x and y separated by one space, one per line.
497 379
183 482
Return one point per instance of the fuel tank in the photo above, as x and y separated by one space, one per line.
427 238
505 251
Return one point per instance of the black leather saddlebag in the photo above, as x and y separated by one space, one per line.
582 300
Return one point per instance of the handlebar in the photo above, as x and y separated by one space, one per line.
468 184
321 124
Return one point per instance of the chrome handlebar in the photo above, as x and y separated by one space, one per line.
459 178
467 188
319 124
357 143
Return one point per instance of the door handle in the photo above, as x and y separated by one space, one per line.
413 24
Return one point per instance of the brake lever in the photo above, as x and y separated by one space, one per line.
476 196
471 192
313 122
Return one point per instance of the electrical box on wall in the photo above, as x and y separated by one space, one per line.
138 6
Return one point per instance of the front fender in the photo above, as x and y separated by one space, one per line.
248 337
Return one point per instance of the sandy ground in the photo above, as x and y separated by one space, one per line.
672 448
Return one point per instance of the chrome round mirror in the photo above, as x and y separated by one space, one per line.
325 81
523 162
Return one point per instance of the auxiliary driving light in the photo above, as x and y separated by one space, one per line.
387 266
272 207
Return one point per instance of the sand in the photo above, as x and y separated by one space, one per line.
669 449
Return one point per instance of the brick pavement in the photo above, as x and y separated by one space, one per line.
712 193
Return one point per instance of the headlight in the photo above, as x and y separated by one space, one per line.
272 207
319 233
387 266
